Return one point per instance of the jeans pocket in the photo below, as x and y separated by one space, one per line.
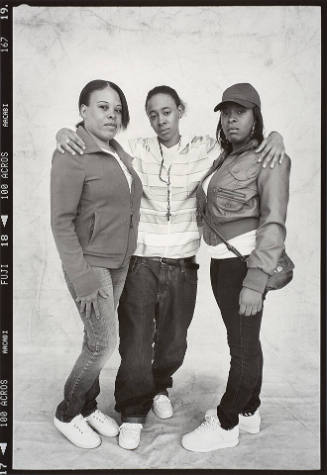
134 265
191 273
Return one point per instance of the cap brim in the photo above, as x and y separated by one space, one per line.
241 102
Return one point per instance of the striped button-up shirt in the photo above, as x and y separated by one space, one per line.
168 226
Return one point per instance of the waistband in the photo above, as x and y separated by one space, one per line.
228 259
184 261
231 229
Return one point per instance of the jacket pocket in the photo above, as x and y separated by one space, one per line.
230 193
107 234
228 204
92 226
228 199
244 173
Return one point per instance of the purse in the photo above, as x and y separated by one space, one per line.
283 273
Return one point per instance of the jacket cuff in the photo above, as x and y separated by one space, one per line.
256 279
86 284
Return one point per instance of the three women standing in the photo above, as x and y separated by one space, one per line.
157 304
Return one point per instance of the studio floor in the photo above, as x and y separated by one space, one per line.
290 435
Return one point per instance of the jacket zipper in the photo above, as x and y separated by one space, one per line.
131 216
131 192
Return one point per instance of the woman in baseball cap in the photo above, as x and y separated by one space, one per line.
243 208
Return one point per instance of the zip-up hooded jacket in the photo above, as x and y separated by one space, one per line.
244 196
94 214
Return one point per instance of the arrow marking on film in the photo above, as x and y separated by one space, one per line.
4 219
3 447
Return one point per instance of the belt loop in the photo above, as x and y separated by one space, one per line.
182 266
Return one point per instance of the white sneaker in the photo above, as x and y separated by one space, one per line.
210 436
78 432
103 424
130 435
162 406
250 424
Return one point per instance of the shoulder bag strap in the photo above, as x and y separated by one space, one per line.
228 245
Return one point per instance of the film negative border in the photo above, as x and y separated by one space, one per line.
6 226
6 238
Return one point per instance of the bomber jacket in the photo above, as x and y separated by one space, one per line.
243 196
94 214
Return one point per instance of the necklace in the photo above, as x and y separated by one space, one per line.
168 182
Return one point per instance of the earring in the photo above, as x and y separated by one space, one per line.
253 129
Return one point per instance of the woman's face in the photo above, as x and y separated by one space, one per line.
237 123
164 117
103 115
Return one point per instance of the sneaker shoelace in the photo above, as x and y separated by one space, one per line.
209 423
80 424
98 415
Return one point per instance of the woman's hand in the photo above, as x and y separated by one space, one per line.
250 302
86 303
69 141
271 150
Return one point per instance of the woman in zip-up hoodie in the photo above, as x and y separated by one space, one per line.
247 205
95 204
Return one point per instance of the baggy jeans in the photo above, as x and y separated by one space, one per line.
100 339
155 311
243 335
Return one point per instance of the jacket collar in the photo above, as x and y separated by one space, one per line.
248 146
222 157
92 147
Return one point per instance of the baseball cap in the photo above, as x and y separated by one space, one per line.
242 93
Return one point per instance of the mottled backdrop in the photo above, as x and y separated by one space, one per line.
199 51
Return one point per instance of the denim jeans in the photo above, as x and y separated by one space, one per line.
100 339
155 311
243 335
